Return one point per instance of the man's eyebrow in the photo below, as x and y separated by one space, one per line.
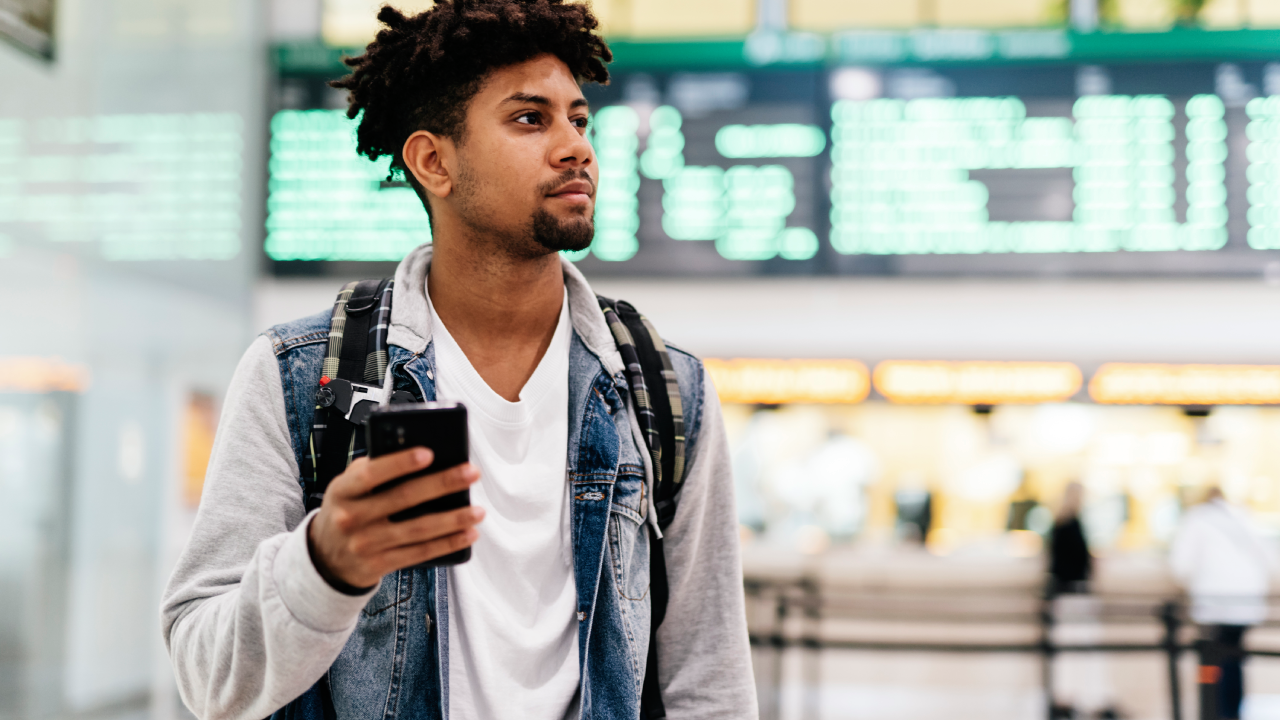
520 98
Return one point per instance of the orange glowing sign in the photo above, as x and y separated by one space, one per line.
1152 384
41 375
789 381
201 427
976 383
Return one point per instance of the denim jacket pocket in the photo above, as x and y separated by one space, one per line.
395 588
629 550
629 546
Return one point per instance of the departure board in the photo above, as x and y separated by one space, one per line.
326 202
743 209
871 171
903 175
124 187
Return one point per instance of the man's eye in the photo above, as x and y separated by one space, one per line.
529 118
580 122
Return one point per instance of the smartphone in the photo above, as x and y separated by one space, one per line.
442 427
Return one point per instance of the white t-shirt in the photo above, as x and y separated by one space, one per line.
513 627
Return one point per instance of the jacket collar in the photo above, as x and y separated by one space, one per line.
411 329
411 317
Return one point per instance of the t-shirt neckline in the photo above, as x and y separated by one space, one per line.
482 398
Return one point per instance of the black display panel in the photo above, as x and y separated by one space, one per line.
1161 169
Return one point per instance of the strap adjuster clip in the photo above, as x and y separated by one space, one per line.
354 400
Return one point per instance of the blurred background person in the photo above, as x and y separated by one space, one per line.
1081 682
1225 566
1070 564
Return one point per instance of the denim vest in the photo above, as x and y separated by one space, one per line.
395 666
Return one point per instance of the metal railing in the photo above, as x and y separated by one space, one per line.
792 613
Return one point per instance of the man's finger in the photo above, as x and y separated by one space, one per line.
411 555
393 535
419 490
389 467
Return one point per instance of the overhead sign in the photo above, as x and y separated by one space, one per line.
1154 384
41 375
902 175
771 382
831 172
940 382
976 383
326 202
148 186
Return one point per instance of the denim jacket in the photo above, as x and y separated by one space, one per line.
398 655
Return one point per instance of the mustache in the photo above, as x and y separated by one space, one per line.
566 177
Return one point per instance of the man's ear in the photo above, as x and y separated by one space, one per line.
429 157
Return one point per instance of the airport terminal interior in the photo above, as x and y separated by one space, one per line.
943 260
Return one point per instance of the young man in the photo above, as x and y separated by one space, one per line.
275 611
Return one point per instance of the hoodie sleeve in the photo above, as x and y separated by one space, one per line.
704 657
249 623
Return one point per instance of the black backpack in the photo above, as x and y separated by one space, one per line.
350 389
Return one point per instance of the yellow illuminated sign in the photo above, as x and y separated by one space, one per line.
1153 384
354 23
976 383
789 381
41 375
674 18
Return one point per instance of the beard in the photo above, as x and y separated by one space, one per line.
543 234
573 233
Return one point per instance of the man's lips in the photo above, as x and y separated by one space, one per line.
576 190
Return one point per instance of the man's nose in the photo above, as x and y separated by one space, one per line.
572 149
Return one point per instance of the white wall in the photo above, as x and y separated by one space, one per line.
147 331
295 19
1088 322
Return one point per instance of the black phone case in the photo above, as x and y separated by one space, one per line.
443 429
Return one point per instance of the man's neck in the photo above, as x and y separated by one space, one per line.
502 311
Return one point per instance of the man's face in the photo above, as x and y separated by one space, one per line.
527 175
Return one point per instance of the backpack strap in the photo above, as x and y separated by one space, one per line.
351 383
351 386
661 417
656 393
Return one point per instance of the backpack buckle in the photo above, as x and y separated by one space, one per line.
354 400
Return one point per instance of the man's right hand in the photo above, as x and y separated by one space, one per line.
351 538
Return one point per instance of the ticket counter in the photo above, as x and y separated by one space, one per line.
979 478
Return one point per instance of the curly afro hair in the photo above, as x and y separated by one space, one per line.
421 72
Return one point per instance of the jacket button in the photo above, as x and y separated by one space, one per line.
581 616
